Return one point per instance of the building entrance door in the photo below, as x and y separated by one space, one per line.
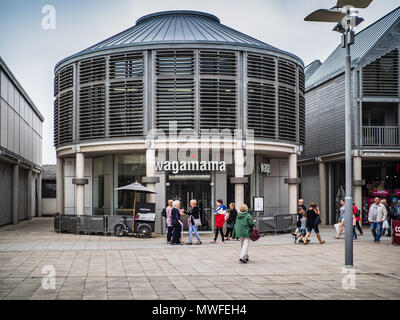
192 187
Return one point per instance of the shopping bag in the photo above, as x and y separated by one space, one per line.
337 225
385 225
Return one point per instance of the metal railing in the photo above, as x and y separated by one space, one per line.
380 136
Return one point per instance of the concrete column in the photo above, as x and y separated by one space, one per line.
60 185
39 195
30 207
151 172
239 173
293 186
357 172
323 206
15 194
80 188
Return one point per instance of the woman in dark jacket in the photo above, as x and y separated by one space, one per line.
230 223
313 221
176 219
194 215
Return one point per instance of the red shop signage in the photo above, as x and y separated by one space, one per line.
381 193
396 231
397 193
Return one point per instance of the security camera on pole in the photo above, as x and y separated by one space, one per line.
345 14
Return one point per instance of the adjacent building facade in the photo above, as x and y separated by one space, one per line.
20 151
185 105
375 120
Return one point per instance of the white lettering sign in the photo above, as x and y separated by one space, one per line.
177 166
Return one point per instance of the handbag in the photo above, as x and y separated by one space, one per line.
255 235
337 225
197 222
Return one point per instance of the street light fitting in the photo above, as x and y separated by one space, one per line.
326 15
362 4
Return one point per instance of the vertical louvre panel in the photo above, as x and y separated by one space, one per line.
126 65
56 119
66 78
381 77
261 67
261 114
217 104
64 117
301 81
56 84
126 109
170 63
92 70
302 119
175 102
287 72
92 112
287 114
221 63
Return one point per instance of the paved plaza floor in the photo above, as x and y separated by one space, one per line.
97 267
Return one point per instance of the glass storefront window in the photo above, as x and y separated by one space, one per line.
102 185
127 169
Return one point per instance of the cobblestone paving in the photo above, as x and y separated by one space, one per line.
96 267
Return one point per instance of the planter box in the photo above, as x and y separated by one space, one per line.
92 224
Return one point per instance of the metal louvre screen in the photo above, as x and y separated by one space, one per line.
302 119
174 89
261 109
301 81
126 65
63 106
66 78
261 67
175 102
218 104
92 70
286 72
170 63
92 112
381 77
287 114
126 108
222 63
56 119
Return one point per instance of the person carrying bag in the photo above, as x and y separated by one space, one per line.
243 230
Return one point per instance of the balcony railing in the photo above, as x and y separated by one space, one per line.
380 136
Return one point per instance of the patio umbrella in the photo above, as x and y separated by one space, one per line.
135 187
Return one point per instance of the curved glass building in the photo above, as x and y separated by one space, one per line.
126 107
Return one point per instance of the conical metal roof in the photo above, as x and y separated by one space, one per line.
178 27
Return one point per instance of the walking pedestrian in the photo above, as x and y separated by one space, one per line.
194 215
342 211
357 214
220 216
176 219
303 226
376 215
168 220
302 205
243 228
230 222
354 227
313 221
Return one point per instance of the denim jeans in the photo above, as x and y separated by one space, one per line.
354 233
193 229
376 229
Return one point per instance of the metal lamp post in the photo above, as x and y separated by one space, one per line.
344 13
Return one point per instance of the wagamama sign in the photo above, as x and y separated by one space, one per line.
177 166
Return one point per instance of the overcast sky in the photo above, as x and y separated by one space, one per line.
32 52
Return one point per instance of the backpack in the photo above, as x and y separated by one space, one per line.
358 213
255 235
164 213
